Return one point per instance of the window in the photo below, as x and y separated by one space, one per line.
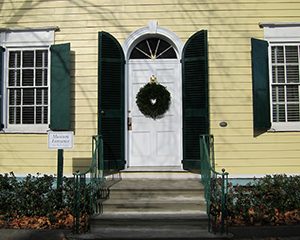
276 78
34 82
153 48
27 86
285 83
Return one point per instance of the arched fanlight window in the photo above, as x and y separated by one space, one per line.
153 48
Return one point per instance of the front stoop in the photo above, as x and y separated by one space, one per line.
147 208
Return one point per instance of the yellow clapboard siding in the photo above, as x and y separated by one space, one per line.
86 87
86 95
84 102
259 170
241 156
89 125
85 109
230 93
235 86
230 101
33 169
256 147
230 26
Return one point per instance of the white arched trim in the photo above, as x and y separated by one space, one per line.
152 30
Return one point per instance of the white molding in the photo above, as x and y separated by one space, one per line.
278 24
282 33
20 29
27 37
285 127
151 30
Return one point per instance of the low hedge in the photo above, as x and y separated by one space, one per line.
35 202
272 200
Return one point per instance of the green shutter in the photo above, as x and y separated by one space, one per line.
195 98
111 101
1 87
260 82
60 87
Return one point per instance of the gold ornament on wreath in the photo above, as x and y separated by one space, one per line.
153 99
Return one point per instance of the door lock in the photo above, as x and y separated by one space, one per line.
129 124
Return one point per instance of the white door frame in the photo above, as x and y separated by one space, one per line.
151 30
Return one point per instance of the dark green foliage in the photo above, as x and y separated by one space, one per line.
269 200
34 196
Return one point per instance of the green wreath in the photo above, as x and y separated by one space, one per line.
153 100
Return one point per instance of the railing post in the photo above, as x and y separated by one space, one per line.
223 201
77 203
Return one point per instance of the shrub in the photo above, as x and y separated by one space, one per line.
37 196
269 200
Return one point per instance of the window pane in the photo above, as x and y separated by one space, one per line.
41 96
291 54
14 115
14 59
292 74
28 59
293 112
27 78
39 115
14 78
28 96
41 58
277 54
278 94
14 96
45 114
28 115
292 93
41 77
278 74
278 113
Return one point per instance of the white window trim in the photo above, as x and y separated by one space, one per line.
280 34
21 39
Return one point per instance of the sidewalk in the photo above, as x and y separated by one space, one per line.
28 234
285 232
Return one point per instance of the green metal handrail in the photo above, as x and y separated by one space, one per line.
215 186
88 184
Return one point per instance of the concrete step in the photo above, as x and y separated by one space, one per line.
154 184
167 172
185 219
146 208
149 233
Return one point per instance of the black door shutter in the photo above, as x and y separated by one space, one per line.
260 86
1 87
111 100
60 87
195 98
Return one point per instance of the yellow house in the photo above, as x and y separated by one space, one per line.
231 69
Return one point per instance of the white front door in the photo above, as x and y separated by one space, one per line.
155 142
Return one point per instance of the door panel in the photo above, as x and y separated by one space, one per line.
155 142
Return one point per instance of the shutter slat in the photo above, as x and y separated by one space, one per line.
111 101
260 82
60 87
195 98
1 89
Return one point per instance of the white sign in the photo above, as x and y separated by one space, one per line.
60 140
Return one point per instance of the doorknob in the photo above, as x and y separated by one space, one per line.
129 124
102 112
